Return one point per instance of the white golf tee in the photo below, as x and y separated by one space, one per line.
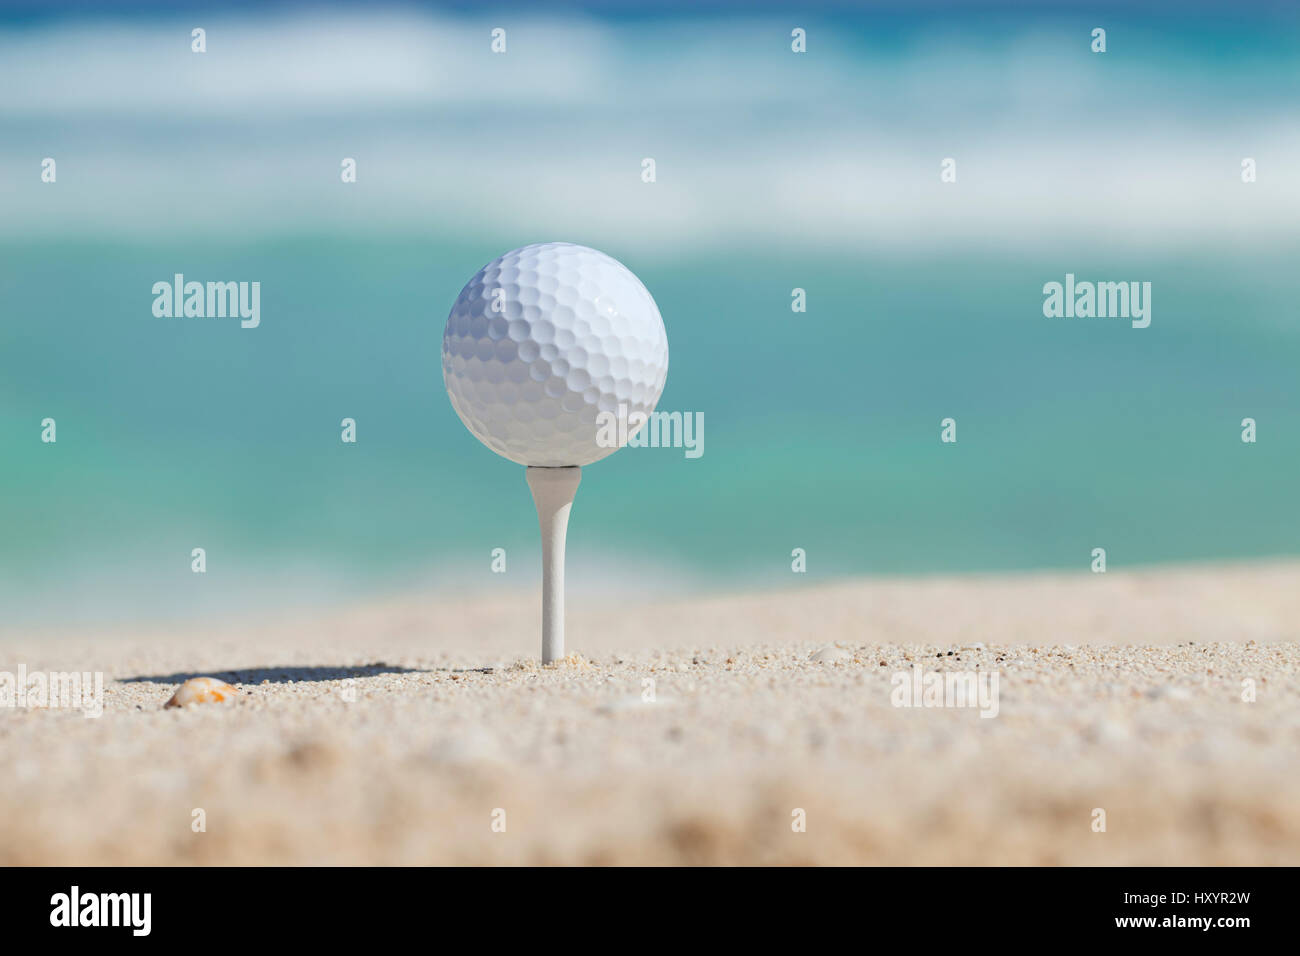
553 490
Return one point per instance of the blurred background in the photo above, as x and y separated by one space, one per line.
775 171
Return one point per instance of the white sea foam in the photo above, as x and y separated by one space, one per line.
753 144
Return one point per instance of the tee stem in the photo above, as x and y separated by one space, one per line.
553 490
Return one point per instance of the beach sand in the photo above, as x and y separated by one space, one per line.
398 733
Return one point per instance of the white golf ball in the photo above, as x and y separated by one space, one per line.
544 339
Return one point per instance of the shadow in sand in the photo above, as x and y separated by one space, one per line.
291 675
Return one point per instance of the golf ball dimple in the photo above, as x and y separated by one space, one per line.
542 340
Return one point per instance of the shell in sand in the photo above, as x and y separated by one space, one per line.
201 690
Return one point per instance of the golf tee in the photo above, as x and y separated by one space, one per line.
553 490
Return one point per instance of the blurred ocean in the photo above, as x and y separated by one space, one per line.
775 171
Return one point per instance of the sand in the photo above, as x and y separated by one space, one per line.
401 732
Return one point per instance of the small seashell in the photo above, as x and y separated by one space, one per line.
201 690
830 654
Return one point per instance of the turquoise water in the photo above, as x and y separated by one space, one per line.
775 170
821 429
